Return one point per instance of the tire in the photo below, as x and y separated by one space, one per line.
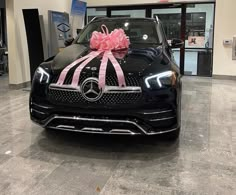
172 136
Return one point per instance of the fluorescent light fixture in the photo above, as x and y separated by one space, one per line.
42 73
158 77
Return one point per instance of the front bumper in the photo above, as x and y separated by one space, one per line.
134 122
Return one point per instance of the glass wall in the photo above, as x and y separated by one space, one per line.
95 12
198 50
199 39
129 13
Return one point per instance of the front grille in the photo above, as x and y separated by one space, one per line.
111 80
75 97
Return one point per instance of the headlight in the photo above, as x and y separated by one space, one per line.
160 80
41 75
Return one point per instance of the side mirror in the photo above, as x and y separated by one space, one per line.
68 42
176 43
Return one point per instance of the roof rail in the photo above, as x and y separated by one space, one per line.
97 17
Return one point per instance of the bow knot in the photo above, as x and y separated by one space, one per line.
116 40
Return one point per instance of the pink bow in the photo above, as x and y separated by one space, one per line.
116 40
104 43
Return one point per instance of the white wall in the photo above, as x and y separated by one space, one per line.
19 71
15 73
225 28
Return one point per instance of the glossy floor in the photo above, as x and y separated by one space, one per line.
203 161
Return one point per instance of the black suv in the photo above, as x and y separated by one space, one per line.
150 103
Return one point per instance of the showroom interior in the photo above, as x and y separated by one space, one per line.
106 157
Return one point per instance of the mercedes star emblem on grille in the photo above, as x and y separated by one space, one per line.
90 89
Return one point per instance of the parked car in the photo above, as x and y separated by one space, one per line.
149 104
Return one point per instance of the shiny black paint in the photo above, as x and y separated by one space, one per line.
139 60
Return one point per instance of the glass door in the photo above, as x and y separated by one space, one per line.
193 23
199 39
96 12
171 20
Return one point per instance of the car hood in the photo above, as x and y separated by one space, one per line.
138 59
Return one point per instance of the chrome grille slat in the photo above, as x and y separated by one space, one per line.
111 80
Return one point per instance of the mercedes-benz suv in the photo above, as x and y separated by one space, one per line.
149 104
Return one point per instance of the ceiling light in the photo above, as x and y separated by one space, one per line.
126 24
145 37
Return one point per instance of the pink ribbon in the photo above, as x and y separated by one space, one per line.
104 43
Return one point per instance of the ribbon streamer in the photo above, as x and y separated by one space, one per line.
104 43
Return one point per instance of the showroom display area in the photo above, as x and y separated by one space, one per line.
223 13
126 64
130 91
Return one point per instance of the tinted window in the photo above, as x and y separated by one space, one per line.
137 31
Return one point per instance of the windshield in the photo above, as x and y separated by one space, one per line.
139 32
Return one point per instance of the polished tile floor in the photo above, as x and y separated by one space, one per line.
203 161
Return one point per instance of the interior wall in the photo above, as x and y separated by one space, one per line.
225 28
18 49
15 74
